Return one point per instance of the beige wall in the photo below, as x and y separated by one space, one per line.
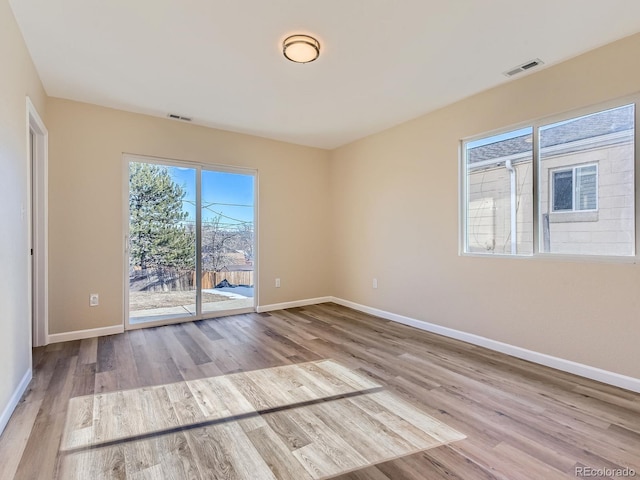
17 81
395 209
86 206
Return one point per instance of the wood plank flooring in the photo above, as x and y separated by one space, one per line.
344 422
521 420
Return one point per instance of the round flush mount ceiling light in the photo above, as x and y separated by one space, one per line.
301 48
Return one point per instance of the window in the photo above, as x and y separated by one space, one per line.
585 191
499 194
575 189
586 163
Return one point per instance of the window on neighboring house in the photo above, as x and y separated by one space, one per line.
575 189
585 193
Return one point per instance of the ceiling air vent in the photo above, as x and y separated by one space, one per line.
524 67
178 117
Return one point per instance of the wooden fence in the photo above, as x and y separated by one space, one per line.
174 281
211 279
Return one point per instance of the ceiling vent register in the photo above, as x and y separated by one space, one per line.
173 116
524 67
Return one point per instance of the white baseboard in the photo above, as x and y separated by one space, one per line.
604 376
297 303
15 398
81 334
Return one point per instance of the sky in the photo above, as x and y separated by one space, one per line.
230 194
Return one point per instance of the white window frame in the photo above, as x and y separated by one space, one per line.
464 245
536 124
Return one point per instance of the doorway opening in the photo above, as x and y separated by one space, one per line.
190 244
37 145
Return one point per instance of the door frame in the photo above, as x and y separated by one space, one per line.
132 157
38 206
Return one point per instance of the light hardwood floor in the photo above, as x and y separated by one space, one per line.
521 421
306 421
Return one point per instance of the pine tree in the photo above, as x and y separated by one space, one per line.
159 239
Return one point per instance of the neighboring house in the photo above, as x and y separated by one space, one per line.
586 184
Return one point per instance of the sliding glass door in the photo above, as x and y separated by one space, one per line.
227 234
190 243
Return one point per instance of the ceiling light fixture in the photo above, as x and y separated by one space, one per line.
301 48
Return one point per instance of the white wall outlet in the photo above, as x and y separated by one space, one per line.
375 283
277 283
94 300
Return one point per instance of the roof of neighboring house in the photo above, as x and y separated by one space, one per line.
590 126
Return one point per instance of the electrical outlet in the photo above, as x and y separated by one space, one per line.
94 300
375 283
277 283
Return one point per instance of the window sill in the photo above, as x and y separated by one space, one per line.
558 257
572 217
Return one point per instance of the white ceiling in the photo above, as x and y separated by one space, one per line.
382 62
